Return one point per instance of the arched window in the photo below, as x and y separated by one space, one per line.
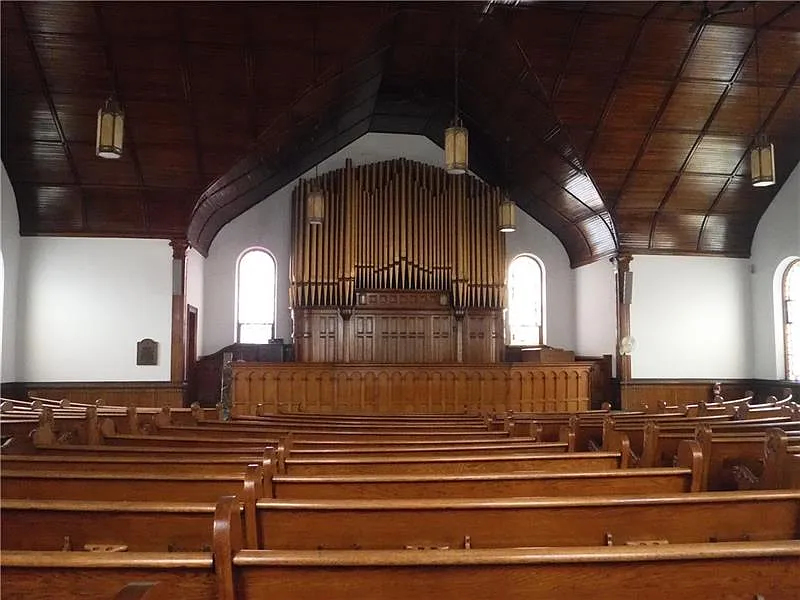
525 301
255 297
791 319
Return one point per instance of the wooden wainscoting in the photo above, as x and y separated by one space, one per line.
449 388
123 393
637 393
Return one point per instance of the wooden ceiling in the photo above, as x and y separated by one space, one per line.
618 125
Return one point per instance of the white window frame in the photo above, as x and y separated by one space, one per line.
237 323
509 317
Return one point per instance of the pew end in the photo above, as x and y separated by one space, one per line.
227 543
690 456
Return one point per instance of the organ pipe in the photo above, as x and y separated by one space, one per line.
398 225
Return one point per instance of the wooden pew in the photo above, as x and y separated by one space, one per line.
355 425
427 450
198 453
495 523
457 464
325 435
684 478
660 442
233 466
52 525
589 434
781 461
143 487
89 575
690 571
357 416
732 458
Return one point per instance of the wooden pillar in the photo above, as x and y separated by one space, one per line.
624 283
460 314
178 363
346 312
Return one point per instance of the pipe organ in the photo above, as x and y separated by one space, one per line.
407 265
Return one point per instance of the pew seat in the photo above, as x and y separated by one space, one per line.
101 575
496 523
51 525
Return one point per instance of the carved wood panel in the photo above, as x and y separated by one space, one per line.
448 388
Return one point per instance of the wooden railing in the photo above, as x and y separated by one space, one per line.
448 388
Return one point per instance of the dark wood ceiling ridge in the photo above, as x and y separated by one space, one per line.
559 129
186 84
250 75
744 157
629 52
130 142
573 36
198 233
701 135
660 113
45 89
221 184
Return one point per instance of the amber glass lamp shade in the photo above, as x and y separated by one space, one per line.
110 126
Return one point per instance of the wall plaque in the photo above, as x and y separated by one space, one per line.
147 352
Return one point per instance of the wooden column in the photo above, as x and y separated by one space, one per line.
623 279
460 314
178 362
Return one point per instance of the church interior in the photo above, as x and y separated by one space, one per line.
400 299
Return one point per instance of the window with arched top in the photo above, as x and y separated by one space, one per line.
525 316
791 319
255 297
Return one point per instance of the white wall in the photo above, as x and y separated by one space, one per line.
777 238
531 237
596 309
10 254
195 276
85 302
691 317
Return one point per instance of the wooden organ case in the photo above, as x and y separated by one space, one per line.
408 266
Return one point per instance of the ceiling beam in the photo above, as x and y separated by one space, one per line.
186 81
629 53
701 135
660 113
794 80
48 96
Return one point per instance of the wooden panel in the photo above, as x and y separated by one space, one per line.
147 394
377 334
637 393
403 388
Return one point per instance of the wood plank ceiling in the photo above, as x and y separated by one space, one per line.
619 126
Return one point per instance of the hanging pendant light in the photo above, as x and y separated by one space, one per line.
315 202
110 126
508 215
762 154
456 137
762 163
